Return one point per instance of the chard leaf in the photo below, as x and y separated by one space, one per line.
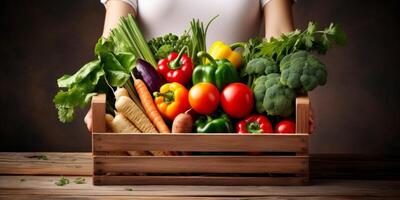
67 80
79 94
127 60
116 74
103 45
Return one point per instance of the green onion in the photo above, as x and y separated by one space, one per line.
198 39
128 35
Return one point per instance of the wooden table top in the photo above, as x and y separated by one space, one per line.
33 176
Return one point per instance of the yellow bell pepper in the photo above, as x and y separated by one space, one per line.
219 50
172 100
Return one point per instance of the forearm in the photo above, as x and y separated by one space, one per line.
278 18
115 9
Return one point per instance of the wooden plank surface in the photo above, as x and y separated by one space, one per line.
341 189
321 166
43 187
124 197
56 163
198 180
201 142
201 164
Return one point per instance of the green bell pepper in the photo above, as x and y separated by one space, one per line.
214 124
220 72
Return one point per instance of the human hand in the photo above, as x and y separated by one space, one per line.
88 120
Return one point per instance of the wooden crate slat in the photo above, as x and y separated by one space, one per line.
201 164
98 113
197 180
201 142
302 114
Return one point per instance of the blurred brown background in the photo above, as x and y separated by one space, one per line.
357 111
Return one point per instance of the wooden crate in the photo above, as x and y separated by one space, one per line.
286 161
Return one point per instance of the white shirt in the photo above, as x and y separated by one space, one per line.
238 20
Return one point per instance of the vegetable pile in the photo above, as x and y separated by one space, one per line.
172 82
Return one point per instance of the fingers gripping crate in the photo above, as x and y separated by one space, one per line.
286 161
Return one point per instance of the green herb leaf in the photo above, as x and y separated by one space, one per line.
42 157
62 181
78 95
79 180
309 40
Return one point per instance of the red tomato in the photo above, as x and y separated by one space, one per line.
204 98
237 100
285 126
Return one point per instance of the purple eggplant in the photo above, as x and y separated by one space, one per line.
146 72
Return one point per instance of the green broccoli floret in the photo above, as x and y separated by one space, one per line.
272 96
303 71
259 93
261 66
164 51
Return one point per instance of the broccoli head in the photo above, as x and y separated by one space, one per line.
272 96
261 66
259 93
302 70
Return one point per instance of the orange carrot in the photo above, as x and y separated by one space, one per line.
150 107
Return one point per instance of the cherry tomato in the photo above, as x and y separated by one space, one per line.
285 126
204 98
237 100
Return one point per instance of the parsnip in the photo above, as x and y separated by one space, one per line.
119 92
131 111
134 114
119 124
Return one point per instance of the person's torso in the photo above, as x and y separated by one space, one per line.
238 20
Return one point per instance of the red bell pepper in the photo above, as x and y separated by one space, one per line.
254 124
176 67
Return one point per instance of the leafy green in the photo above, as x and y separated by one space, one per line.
42 157
80 75
62 181
79 180
116 74
310 40
127 37
251 48
303 71
85 83
78 94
